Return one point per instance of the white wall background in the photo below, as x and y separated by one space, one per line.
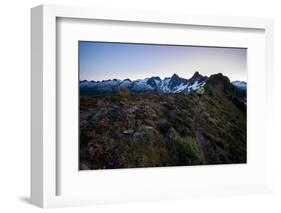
15 104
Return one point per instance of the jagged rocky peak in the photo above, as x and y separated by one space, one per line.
176 80
175 76
197 75
154 81
157 78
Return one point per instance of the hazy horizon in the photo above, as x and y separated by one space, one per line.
103 61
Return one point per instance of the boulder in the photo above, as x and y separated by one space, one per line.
128 132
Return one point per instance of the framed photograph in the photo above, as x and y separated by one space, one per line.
129 106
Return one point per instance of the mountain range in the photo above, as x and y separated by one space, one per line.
173 84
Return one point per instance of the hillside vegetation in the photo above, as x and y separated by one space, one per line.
128 130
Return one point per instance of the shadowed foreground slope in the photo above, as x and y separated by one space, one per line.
127 130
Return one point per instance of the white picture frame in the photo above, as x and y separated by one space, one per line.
44 154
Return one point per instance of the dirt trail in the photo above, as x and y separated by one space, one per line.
202 143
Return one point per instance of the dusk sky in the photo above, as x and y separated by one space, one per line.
103 61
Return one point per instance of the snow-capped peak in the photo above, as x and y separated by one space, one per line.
240 84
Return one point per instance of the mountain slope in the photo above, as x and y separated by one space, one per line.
198 127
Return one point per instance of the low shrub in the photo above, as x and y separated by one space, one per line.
187 149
